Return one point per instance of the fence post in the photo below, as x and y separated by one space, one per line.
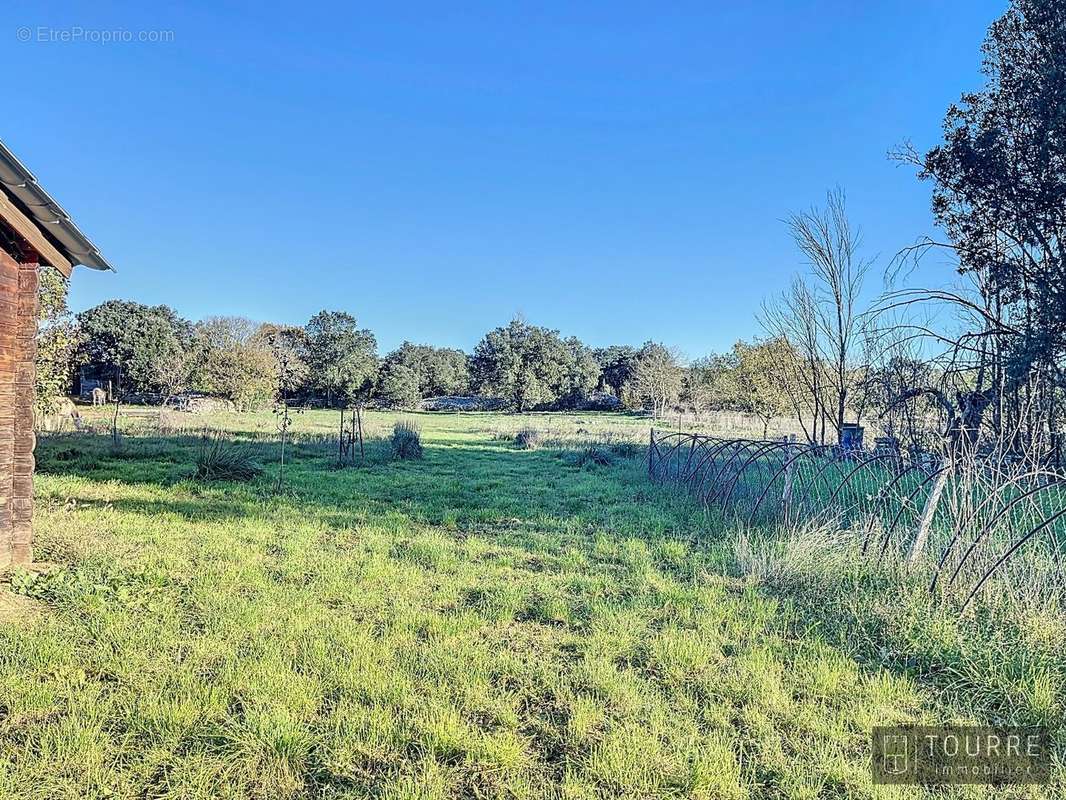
651 454
786 493
925 526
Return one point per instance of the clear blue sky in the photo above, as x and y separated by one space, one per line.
615 170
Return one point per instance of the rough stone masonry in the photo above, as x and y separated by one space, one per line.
18 328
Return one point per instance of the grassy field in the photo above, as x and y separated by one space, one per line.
485 622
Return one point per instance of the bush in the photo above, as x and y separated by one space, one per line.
406 441
221 460
626 450
593 454
528 439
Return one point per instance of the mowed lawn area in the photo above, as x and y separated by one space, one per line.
485 622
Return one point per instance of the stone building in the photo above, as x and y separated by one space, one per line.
35 234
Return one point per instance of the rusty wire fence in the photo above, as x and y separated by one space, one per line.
980 524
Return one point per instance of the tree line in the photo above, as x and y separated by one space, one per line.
137 349
331 360
981 361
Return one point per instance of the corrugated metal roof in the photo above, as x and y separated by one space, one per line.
19 184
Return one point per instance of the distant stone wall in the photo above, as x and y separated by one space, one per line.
462 403
18 329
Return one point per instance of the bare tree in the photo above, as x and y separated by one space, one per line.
173 372
792 317
657 380
821 316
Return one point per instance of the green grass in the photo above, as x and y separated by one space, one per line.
484 622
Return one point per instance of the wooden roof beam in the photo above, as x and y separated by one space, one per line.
29 231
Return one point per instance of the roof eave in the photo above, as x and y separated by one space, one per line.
21 185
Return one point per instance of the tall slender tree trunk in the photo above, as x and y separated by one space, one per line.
841 400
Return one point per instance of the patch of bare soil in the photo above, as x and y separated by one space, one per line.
18 608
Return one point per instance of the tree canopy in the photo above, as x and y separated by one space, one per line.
999 195
124 340
657 379
617 365
342 357
531 366
58 340
229 360
437 370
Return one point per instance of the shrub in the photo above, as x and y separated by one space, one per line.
528 439
626 450
593 454
406 441
221 460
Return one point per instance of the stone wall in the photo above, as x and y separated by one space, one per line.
18 328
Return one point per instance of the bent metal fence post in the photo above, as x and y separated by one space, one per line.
977 519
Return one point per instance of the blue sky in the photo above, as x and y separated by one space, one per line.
615 170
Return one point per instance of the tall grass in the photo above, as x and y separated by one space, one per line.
528 439
406 441
1005 661
221 459
479 623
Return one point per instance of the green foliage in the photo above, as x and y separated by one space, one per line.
480 623
220 459
437 370
398 387
999 194
91 585
152 350
657 380
248 363
528 439
710 383
288 347
406 441
58 341
760 380
750 378
342 357
531 366
241 373
1000 176
593 455
580 372
618 366
232 362
125 340
175 371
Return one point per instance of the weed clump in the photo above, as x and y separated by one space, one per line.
625 450
406 441
528 439
89 583
593 455
219 459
